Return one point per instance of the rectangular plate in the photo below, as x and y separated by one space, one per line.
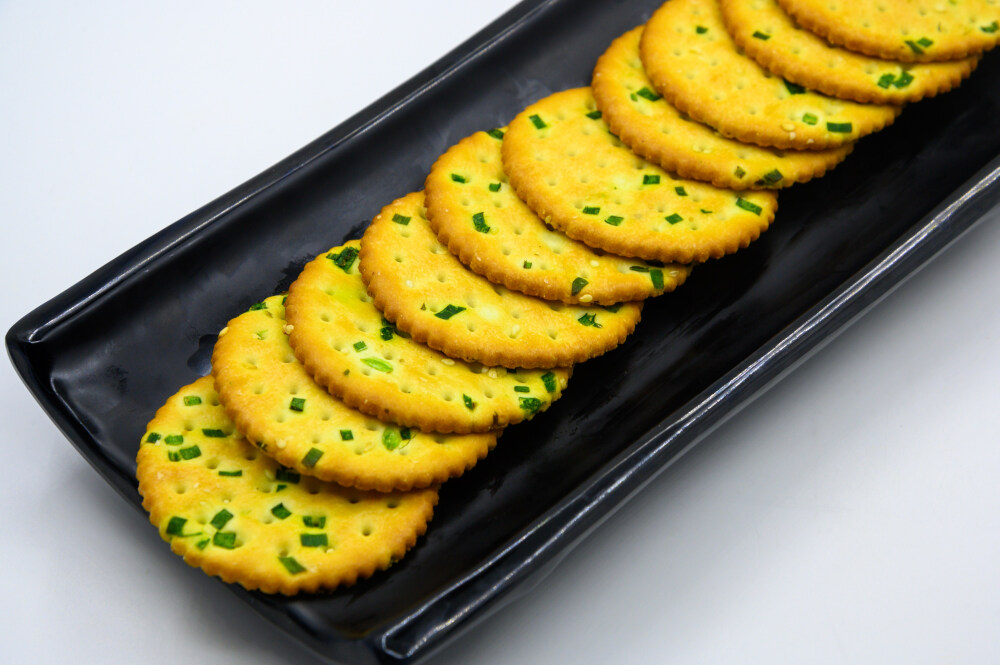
102 356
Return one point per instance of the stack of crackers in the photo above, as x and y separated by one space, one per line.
312 455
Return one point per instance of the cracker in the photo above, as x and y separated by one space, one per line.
516 248
904 30
578 177
654 129
346 345
277 405
801 57
234 512
427 292
694 63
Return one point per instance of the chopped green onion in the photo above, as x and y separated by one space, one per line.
391 439
706 212
680 191
280 511
537 121
915 46
231 474
591 210
345 259
748 206
226 539
313 539
213 433
594 115
761 35
175 527
258 306
153 437
700 29
377 363
839 127
577 285
650 179
190 453
549 381
291 565
479 222
809 119
287 475
639 269
674 218
494 186
646 93
311 457
174 439
991 28
770 178
739 172
346 435
297 404
449 311
885 80
614 220
314 521
459 178
405 433
469 404
526 265
905 79
386 332
221 518
202 544
360 346
589 320
192 400
657 277
522 389
923 41
496 133
261 334
794 88
530 404
609 308
403 219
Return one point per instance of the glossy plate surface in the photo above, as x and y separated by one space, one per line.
104 355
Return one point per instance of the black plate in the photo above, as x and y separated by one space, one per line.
102 356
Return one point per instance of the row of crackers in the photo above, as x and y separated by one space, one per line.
312 455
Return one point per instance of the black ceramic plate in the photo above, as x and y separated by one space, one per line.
102 356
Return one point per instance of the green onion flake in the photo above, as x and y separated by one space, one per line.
650 179
221 518
291 565
345 259
313 539
280 511
297 404
314 521
794 88
404 220
748 206
479 222
311 457
591 210
839 127
231 474
589 320
674 218
258 306
494 186
594 115
646 93
377 363
175 527
287 475
191 400
226 539
549 381
391 439
700 29
522 389
530 404
153 437
346 435
991 28
885 80
469 404
526 265
739 172
449 311
770 178
496 133
578 285
680 191
614 220
657 277
459 178
809 119
761 35
360 346
190 453
213 433
537 121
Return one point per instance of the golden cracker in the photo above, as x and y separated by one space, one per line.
655 130
516 249
427 292
903 30
276 404
694 63
769 35
578 177
347 346
234 512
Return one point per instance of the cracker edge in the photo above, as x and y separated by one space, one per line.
683 165
375 283
802 75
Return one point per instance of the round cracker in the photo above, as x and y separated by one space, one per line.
234 512
275 402
654 129
801 57
904 30
576 175
348 347
516 248
694 63
427 292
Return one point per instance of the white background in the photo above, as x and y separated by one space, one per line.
850 514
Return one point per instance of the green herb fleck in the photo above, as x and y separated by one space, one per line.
231 474
611 308
360 346
700 29
345 259
213 433
809 119
522 389
923 41
175 527
594 115
311 457
526 265
469 404
657 277
549 381
297 404
449 311
577 285
905 79
748 206
377 363
650 179
591 210
202 544
614 220
674 218
794 88
991 28
761 35
261 334
680 191
638 268
386 332
153 437
479 221
494 186
314 521
770 178
190 453
739 172
346 435
646 93
287 475
403 219
590 320
391 439
530 404
192 400
291 565
225 539
280 511
258 306
313 539
839 127
221 518
496 133
459 178
885 80
537 121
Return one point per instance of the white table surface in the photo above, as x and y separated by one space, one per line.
850 514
